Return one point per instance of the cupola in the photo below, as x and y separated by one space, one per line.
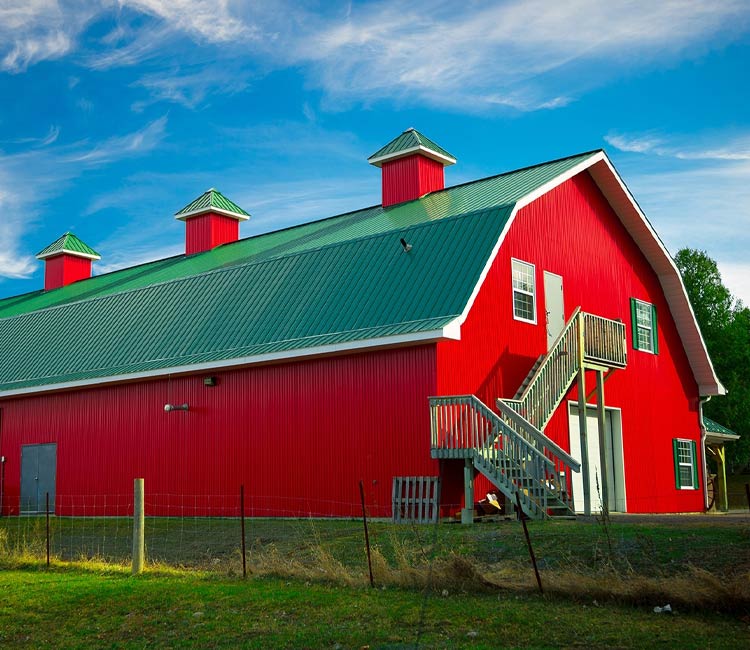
412 166
66 260
211 220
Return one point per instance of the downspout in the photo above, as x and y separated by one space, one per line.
704 433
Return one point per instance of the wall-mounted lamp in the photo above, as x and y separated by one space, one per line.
406 245
210 381
176 407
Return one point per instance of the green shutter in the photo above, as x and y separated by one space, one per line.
695 465
634 323
676 453
654 330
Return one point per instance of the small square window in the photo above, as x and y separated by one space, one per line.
524 291
644 326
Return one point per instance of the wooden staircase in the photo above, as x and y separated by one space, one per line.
510 447
464 427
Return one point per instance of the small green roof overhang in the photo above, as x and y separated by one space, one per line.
212 201
68 244
718 433
410 142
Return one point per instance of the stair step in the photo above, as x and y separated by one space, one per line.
528 378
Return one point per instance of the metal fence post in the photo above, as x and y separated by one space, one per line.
138 526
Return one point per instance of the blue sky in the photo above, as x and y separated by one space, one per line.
116 114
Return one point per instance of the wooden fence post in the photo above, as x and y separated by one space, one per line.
47 520
242 520
138 526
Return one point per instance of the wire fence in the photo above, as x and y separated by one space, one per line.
206 532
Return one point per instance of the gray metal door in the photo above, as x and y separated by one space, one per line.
38 474
554 305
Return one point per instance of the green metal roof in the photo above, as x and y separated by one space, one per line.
68 243
502 190
210 200
408 141
355 290
714 427
328 282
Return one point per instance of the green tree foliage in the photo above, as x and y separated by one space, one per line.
725 325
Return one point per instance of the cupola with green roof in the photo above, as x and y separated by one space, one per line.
411 166
66 260
210 220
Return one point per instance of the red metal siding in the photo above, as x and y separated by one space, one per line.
204 232
409 178
61 270
299 436
573 232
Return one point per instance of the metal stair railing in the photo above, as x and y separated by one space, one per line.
563 463
552 379
464 427
603 344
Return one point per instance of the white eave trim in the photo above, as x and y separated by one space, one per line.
226 213
639 228
713 437
66 251
449 331
425 151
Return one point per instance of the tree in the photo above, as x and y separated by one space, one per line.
725 325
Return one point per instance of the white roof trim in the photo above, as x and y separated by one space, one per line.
715 438
624 205
66 251
450 331
226 213
430 153
639 228
524 201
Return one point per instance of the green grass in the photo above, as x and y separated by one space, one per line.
701 562
99 606
716 544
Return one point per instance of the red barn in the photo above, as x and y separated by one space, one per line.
454 332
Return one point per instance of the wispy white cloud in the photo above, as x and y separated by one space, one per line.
118 147
189 88
37 30
528 52
520 54
51 136
682 148
208 20
13 264
696 191
49 171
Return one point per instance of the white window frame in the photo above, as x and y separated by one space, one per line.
650 327
686 444
523 292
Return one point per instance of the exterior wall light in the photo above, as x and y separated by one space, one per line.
210 381
176 407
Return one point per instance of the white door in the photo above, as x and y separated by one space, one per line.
613 458
554 306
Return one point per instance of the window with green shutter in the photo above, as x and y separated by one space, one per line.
643 321
685 465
